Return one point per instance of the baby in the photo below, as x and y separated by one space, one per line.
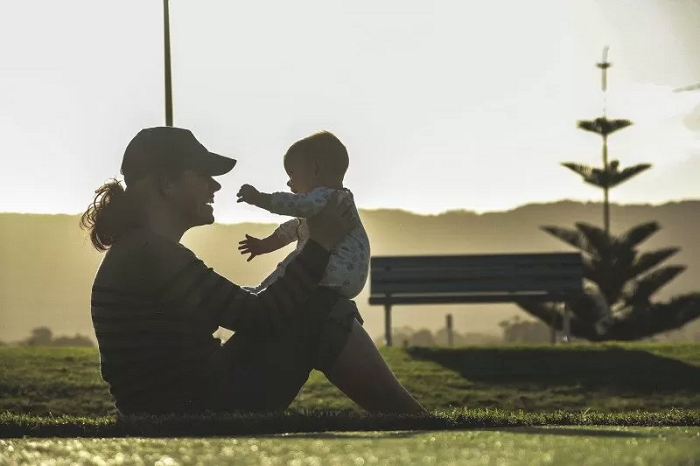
316 166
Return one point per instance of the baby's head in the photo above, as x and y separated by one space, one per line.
317 160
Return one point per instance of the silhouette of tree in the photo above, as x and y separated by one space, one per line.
77 340
408 337
619 279
620 283
422 337
41 336
516 330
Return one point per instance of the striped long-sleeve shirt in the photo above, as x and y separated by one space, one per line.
155 306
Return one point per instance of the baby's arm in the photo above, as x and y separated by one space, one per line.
282 236
294 205
252 196
299 205
287 232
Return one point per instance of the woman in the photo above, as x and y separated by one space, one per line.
155 305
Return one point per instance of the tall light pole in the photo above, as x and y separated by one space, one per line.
168 74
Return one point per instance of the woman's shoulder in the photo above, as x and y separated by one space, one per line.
141 255
144 245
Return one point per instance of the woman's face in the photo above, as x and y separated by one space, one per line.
192 196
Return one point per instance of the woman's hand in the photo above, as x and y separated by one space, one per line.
336 219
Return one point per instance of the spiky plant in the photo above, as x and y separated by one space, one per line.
610 175
620 284
620 280
609 179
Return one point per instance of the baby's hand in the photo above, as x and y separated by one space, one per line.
247 194
252 246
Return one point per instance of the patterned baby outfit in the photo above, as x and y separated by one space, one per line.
349 262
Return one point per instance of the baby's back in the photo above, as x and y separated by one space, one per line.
348 265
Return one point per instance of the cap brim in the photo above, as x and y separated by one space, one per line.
215 164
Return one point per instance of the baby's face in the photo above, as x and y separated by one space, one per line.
303 176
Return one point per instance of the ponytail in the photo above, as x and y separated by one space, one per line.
111 214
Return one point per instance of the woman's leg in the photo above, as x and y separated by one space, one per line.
362 374
262 372
255 374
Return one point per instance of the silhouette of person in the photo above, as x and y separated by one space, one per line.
316 166
155 305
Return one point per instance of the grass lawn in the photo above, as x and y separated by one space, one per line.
618 446
569 404
610 378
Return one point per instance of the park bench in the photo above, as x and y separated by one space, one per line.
478 278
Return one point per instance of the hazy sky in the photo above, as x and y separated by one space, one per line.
442 105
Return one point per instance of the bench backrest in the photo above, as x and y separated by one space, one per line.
475 278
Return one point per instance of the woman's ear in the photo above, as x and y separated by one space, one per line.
164 184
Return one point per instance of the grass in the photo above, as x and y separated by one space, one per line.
21 425
611 378
603 378
59 392
586 446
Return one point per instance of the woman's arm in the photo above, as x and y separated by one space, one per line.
189 286
186 285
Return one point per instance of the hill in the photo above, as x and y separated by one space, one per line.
48 263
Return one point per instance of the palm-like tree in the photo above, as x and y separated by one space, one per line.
607 177
620 283
610 175
619 280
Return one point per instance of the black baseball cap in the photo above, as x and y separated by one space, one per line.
167 149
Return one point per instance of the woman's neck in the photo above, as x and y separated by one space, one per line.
163 223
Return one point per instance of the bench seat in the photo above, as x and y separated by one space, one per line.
475 278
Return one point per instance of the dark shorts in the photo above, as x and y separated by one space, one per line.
266 372
261 371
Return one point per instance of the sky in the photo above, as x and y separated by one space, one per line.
442 105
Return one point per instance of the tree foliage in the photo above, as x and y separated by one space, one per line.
620 284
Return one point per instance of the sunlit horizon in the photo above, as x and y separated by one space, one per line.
259 216
461 106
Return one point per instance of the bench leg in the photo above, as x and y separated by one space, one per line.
450 333
567 323
387 324
552 332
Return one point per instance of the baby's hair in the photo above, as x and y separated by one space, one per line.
323 147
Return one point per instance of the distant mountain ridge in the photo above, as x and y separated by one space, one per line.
48 263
